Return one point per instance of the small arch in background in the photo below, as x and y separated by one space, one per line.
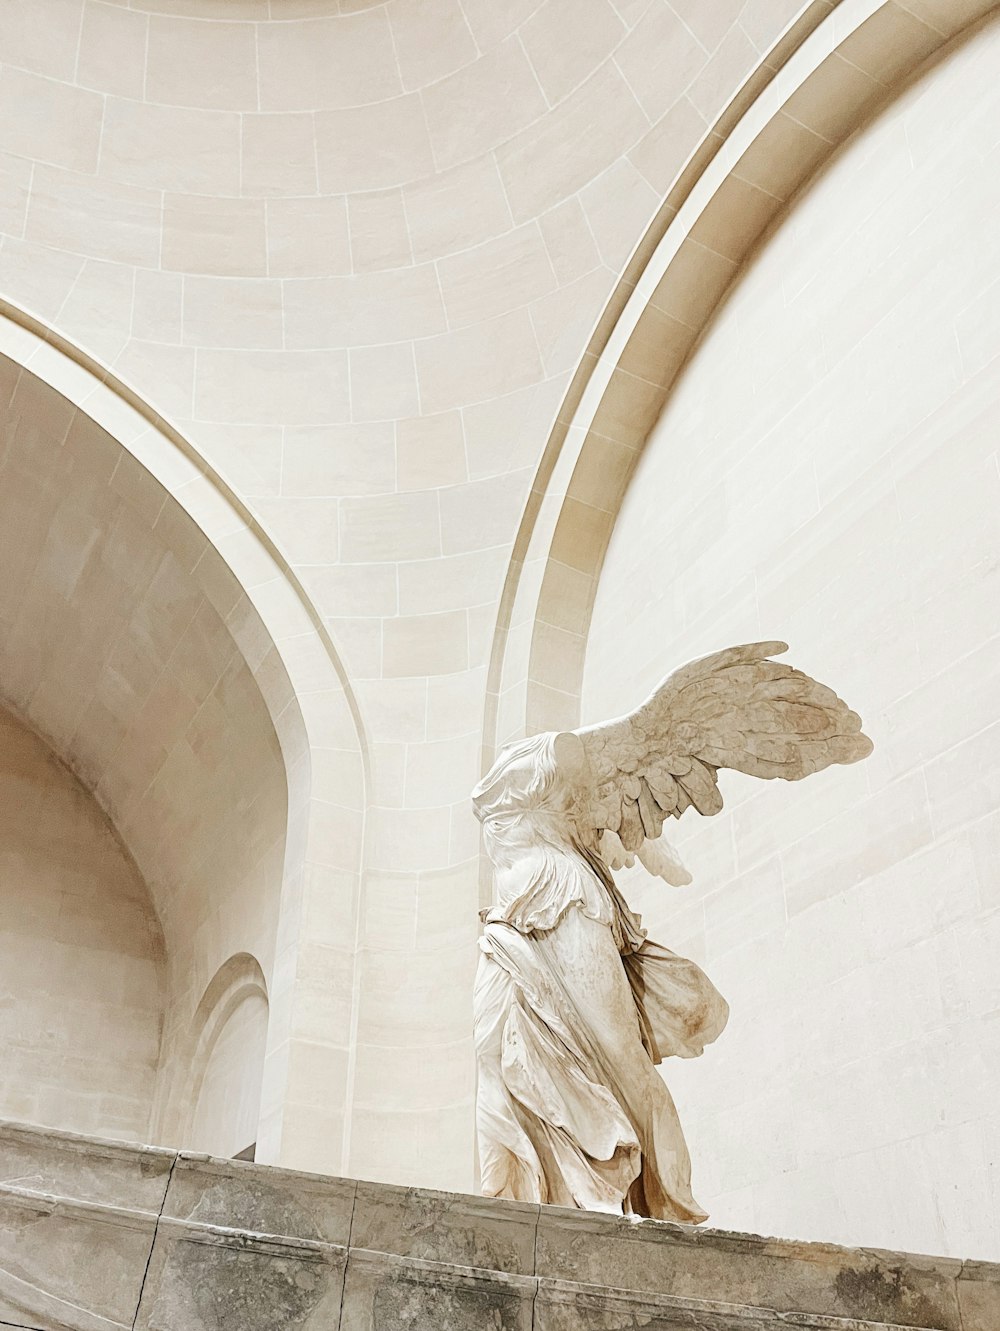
219 1074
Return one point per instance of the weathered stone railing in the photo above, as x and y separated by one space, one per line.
99 1236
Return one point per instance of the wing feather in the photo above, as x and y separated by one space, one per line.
735 709
649 812
631 833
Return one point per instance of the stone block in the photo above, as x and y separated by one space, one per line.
242 1249
210 1278
650 1257
384 1293
561 1306
444 1227
979 1296
205 1192
77 1220
66 1165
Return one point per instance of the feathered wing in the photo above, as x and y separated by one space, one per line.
658 857
735 708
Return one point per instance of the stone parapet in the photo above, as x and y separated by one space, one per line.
101 1236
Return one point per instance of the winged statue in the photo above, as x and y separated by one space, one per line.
574 1006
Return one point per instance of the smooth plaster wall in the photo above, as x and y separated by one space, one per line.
81 954
826 472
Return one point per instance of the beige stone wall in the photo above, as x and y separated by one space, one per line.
132 648
361 259
826 472
81 954
355 253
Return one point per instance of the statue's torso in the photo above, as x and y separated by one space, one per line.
530 832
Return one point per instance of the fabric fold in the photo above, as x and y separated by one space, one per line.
574 1007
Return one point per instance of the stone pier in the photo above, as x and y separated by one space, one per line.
101 1236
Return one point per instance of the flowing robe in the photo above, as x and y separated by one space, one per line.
574 1007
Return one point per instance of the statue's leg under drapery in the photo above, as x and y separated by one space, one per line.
508 1162
563 1064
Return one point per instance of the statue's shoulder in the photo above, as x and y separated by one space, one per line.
523 768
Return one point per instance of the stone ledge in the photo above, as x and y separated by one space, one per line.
102 1236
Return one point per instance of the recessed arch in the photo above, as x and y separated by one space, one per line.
158 640
238 989
731 192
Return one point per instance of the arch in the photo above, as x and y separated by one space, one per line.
731 192
208 707
257 564
238 981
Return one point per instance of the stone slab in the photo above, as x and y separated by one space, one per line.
979 1296
654 1257
264 1201
84 1168
101 1236
209 1278
562 1306
439 1226
77 1221
385 1293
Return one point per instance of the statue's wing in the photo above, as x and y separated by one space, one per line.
658 857
734 709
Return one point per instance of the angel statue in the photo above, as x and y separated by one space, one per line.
574 1005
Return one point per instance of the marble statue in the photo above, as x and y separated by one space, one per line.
574 1005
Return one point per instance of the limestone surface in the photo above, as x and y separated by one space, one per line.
97 1235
